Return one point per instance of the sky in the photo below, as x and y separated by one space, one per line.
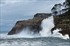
13 10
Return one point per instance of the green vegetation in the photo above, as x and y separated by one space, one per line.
56 9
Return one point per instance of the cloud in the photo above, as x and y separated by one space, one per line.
13 10
9 25
6 2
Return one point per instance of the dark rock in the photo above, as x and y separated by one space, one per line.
41 15
63 22
33 24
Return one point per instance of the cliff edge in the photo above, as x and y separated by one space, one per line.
33 24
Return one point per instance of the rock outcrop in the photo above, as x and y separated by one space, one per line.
61 21
33 24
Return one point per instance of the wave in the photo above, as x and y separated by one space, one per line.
35 42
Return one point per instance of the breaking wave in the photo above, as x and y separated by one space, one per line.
47 25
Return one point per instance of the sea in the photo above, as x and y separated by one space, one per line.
37 41
43 38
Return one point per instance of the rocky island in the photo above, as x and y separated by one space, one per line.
61 21
33 24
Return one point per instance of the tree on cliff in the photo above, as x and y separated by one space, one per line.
68 1
54 12
57 8
66 4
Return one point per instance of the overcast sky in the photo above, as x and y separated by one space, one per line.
13 10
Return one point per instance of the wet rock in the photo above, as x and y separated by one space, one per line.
33 24
62 22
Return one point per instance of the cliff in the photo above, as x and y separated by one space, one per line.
33 24
62 21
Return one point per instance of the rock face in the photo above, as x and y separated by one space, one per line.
33 24
61 21
41 15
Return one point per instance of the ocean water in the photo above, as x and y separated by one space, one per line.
43 38
41 41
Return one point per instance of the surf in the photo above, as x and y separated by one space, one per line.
47 24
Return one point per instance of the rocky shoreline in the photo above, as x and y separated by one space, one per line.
61 21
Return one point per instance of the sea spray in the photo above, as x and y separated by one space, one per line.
57 34
27 33
47 25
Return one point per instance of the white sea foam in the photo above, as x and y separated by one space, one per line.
25 33
57 34
47 25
